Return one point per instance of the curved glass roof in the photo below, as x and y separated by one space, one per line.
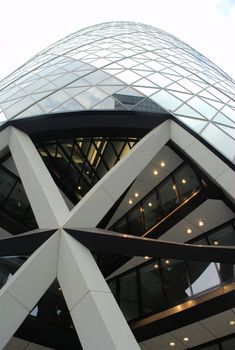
125 66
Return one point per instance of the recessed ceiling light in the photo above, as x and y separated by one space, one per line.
183 181
162 164
186 339
130 201
232 323
59 289
173 187
155 172
79 187
88 172
156 266
146 257
167 262
189 231
136 194
150 204
200 223
172 343
216 242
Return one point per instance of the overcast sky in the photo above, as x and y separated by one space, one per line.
27 26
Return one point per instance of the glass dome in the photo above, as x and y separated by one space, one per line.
125 66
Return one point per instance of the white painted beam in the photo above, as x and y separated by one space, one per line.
96 316
46 201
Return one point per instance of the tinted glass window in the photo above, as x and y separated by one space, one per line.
168 196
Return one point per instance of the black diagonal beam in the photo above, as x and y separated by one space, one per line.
24 244
104 241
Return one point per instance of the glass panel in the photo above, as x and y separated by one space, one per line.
224 236
228 344
135 220
6 184
128 295
121 226
17 203
177 285
186 182
8 266
168 197
112 286
210 347
151 288
203 276
151 210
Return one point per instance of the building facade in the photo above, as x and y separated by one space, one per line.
117 195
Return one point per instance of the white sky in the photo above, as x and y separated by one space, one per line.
28 26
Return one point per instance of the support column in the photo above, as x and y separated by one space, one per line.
46 201
96 316
24 289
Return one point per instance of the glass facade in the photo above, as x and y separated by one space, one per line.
180 185
77 164
160 284
125 66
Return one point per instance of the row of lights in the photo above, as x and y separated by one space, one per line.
186 339
136 194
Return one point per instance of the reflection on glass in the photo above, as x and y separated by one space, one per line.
8 266
168 197
177 285
6 184
128 295
17 202
228 344
203 275
151 288
135 219
151 210
187 182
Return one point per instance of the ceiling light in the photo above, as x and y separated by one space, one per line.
136 194
87 172
167 262
232 323
173 187
59 289
183 181
189 231
156 266
186 339
79 187
130 201
146 257
172 343
200 223
150 204
155 172
216 242
162 164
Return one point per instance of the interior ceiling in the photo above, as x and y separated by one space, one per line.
209 329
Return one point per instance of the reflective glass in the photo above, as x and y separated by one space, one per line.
128 295
203 275
168 197
176 281
151 210
228 344
6 184
135 221
151 288
186 182
17 202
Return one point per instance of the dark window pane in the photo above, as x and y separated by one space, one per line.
6 184
112 286
151 210
151 289
17 203
128 296
223 236
203 276
210 347
109 156
135 220
228 344
168 197
186 182
176 281
121 226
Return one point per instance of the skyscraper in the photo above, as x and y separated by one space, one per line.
117 193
